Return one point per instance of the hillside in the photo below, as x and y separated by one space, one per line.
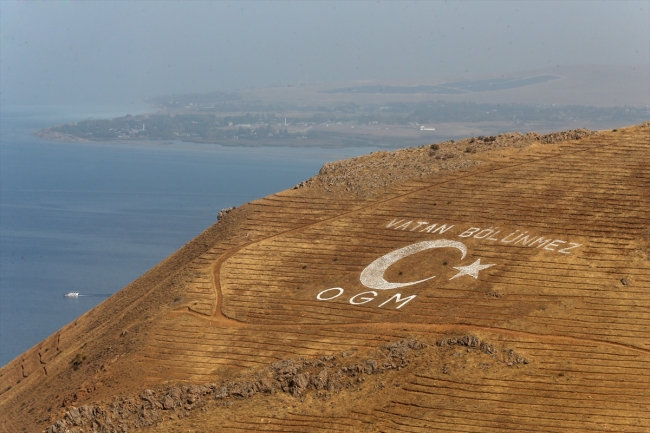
487 284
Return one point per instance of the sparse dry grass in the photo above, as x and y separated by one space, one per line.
561 338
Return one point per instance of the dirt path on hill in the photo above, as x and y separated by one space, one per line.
220 318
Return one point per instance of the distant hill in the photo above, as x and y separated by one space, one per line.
576 85
494 283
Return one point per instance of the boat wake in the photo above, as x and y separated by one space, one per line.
93 295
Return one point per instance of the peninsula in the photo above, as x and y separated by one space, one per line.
378 114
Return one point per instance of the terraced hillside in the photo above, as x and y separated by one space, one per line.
491 284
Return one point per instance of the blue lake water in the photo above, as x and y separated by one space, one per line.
92 217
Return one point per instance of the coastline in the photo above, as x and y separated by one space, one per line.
452 131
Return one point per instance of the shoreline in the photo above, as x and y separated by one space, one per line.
338 141
333 143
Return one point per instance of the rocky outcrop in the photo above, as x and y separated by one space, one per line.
223 212
508 356
294 377
327 374
365 175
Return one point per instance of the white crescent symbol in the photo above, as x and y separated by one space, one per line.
373 276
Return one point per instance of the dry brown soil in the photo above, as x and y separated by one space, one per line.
234 332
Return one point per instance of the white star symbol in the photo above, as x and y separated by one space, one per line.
471 270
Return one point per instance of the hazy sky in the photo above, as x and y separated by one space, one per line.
73 52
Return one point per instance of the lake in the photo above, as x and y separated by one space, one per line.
92 217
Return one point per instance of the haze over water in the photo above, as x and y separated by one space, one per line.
97 52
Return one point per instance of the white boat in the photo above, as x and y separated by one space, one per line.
72 295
